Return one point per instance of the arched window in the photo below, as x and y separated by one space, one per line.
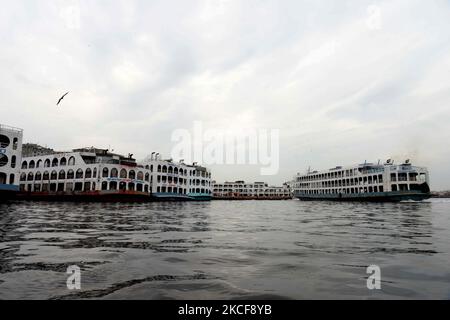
3 160
62 175
13 161
88 173
54 175
132 174
23 176
15 143
140 175
114 173
147 167
151 168
70 174
12 177
24 165
164 169
63 161
95 173
71 161
32 164
38 176
147 176
159 168
79 174
47 163
4 142
105 172
104 185
175 171
39 163
170 170
123 173
55 162
46 176
30 176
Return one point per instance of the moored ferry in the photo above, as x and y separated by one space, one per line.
10 157
94 174
365 182
240 190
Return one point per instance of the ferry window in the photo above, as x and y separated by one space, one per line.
158 189
4 141
381 188
140 176
47 163
164 169
38 176
123 173
122 186
114 173
71 161
104 185
3 178
53 175
30 177
87 186
70 174
15 143
13 161
62 175
88 173
147 177
105 173
95 173
151 168
79 174
159 168
11 178
55 162
132 174
24 165
113 185
394 187
63 161
31 165
39 163
170 170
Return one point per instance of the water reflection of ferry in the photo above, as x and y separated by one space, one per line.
365 182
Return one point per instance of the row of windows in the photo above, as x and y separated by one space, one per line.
170 170
80 174
84 186
345 190
4 177
47 163
343 182
182 190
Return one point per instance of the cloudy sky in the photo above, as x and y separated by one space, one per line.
344 81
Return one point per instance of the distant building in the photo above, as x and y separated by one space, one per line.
34 150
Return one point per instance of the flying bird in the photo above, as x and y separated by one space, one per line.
65 94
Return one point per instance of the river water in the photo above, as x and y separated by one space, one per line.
225 250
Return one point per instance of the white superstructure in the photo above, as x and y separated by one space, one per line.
10 157
255 190
364 181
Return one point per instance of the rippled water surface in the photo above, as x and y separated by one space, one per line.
225 250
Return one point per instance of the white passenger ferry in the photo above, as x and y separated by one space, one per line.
93 174
365 182
10 157
240 190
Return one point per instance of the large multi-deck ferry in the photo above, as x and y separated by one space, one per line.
240 190
365 182
10 157
94 174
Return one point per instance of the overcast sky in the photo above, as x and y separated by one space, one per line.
344 81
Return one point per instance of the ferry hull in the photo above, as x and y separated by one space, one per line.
94 196
8 192
394 196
